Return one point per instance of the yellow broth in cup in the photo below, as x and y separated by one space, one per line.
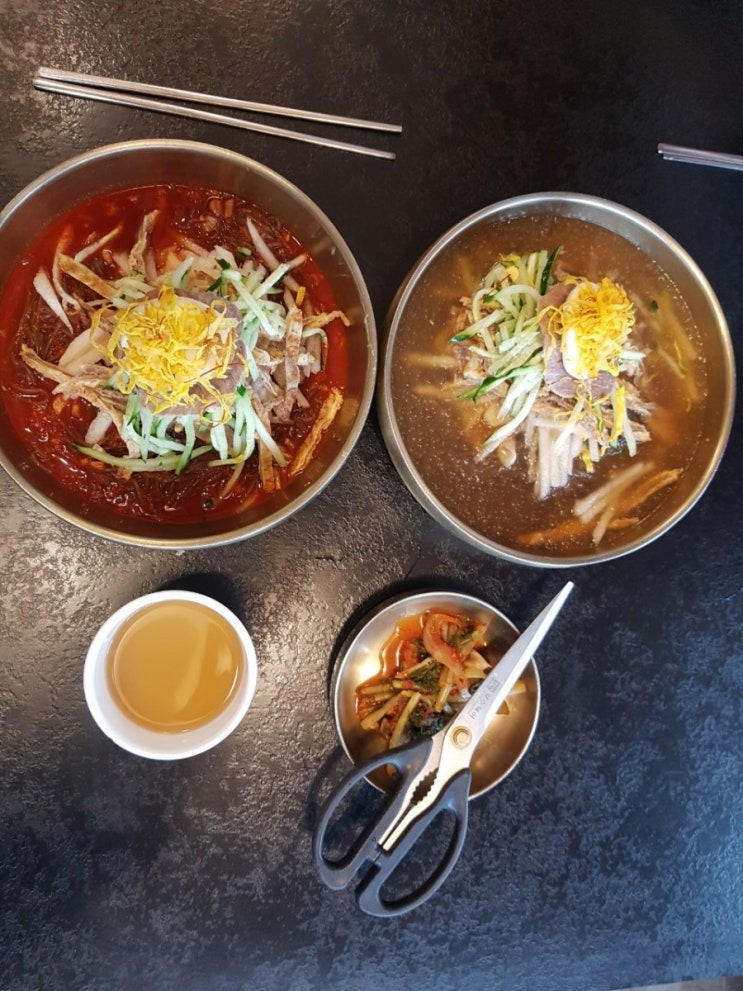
174 666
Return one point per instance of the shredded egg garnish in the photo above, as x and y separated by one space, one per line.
169 345
620 407
593 326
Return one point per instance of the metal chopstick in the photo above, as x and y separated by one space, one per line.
226 102
697 156
158 106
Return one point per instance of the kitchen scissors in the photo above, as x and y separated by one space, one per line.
433 776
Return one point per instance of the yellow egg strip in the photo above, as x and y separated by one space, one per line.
594 324
167 346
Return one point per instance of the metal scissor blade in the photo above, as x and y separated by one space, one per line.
476 714
453 747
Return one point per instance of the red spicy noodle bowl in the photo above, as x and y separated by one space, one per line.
171 353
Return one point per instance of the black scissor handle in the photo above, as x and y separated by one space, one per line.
408 760
369 898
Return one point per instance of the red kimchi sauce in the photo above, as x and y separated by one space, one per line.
49 426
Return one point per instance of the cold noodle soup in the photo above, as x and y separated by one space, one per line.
549 385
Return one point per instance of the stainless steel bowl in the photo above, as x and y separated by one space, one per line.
134 163
436 283
508 735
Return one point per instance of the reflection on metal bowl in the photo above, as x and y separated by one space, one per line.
428 447
508 735
144 163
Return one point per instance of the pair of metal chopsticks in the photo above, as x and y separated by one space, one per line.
120 92
696 156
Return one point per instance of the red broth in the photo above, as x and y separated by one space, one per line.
49 426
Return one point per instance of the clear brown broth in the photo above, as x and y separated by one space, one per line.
497 502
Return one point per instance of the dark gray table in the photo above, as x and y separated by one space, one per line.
613 856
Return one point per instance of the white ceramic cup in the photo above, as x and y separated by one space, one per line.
161 745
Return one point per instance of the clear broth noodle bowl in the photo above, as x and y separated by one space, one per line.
437 423
230 323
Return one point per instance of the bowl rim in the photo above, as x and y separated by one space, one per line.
388 421
282 513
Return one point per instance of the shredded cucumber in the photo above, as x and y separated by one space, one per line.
166 462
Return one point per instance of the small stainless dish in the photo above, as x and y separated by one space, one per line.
143 163
424 304
508 735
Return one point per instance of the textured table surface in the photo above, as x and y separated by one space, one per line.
613 855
